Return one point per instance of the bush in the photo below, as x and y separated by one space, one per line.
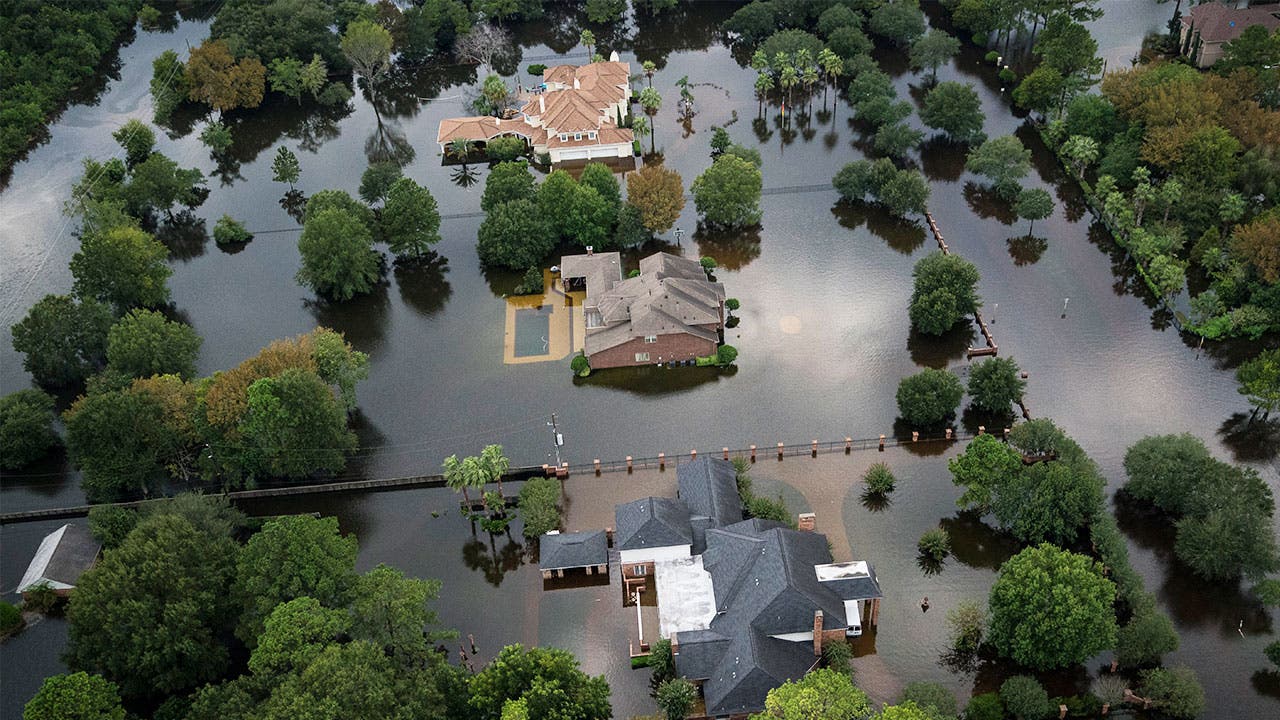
967 622
837 655
992 56
1147 637
879 478
1173 691
111 524
1268 591
935 544
1110 689
536 69
531 284
767 509
662 662
732 304
1008 75
1272 652
40 598
10 617
932 697
676 698
725 355
229 230
986 706
580 365
539 504
217 137
742 476
708 263
1024 698
929 396
505 148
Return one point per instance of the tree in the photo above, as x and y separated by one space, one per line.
1228 541
967 622
1051 608
77 696
367 46
605 11
376 181
752 22
285 168
676 698
881 110
123 266
294 427
216 79
929 396
1175 692
548 678
728 192
983 467
588 218
658 194
1004 161
944 292
587 39
169 84
145 343
228 231
935 545
986 706
294 634
1049 501
720 141
354 680
137 139
896 140
157 183
289 558
507 181
600 178
64 340
904 192
26 428
954 109
119 441
1148 636
337 200
899 22
539 505
651 100
481 43
1034 204
1258 244
505 148
994 384
337 363
879 479
338 259
495 94
934 698
1166 470
822 694
1082 151
1025 698
1041 90
410 219
514 235
217 137
933 49
1259 380
905 711
149 614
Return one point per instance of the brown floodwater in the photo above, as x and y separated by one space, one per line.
824 340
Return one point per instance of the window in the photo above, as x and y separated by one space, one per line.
642 357
564 137
577 136
651 338
591 135
638 570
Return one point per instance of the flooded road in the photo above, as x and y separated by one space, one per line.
824 337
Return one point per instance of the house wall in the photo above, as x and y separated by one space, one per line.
668 348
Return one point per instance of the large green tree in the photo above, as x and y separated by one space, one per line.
294 427
1051 608
294 634
145 343
995 384
929 396
157 184
514 235
898 21
338 258
984 466
26 428
823 694
944 292
1175 692
658 194
1049 501
507 181
64 340
1002 160
124 267
292 557
549 681
1259 380
150 615
120 443
954 109
77 696
1233 539
410 219
394 613
933 49
728 193
137 139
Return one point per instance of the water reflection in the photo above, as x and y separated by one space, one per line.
1026 249
422 282
902 432
492 562
972 418
733 249
1251 438
294 204
654 381
986 204
687 26
185 235
977 544
388 143
942 160
1266 682
875 501
464 176
903 236
938 351
362 319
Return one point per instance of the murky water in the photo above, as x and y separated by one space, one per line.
824 336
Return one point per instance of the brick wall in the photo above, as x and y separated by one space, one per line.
668 348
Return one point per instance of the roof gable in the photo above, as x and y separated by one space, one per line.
652 522
573 550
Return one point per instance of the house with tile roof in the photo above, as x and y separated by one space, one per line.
576 114
669 313
1207 27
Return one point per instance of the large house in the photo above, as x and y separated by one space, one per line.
1210 25
577 114
669 313
747 604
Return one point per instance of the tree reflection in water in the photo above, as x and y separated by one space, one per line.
294 203
1026 250
422 282
495 564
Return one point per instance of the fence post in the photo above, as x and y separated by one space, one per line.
848 445
881 443
597 464
753 453
780 448
948 433
813 452
726 453
662 461
628 464
982 429
915 436
1006 434
693 454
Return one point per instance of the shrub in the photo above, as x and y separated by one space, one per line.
1024 698
769 509
732 304
742 476
536 69
111 524
1147 637
229 230
967 622
531 284
1268 591
217 137
539 504
676 698
934 698
1008 75
879 478
837 655
935 544
40 598
10 617
505 148
986 706
1272 652
1110 689
992 56
725 355
662 662
708 263
580 365
929 396
1173 691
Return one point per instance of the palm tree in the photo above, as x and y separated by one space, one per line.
764 83
686 97
809 76
649 70
833 67
788 79
474 475
651 101
455 479
460 148
640 127
759 61
496 464
588 38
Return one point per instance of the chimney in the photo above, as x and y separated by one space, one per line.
807 522
817 633
576 85
542 103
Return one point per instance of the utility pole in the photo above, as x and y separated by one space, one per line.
556 438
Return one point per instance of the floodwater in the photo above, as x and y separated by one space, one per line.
824 336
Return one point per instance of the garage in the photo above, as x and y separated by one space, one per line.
575 154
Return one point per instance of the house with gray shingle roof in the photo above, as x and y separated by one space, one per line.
709 487
61 559
559 551
669 313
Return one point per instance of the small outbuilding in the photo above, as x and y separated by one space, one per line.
573 551
62 557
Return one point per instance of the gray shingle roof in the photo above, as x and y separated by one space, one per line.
652 522
698 652
709 487
62 557
573 550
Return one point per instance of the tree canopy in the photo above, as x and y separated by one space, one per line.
75 696
410 219
145 343
123 267
954 109
822 694
995 384
26 428
929 396
338 258
1002 160
728 193
658 194
548 680
63 339
944 292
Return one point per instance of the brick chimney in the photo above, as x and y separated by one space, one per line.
817 633
807 522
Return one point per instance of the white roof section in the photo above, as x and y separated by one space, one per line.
62 556
686 600
841 571
35 574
